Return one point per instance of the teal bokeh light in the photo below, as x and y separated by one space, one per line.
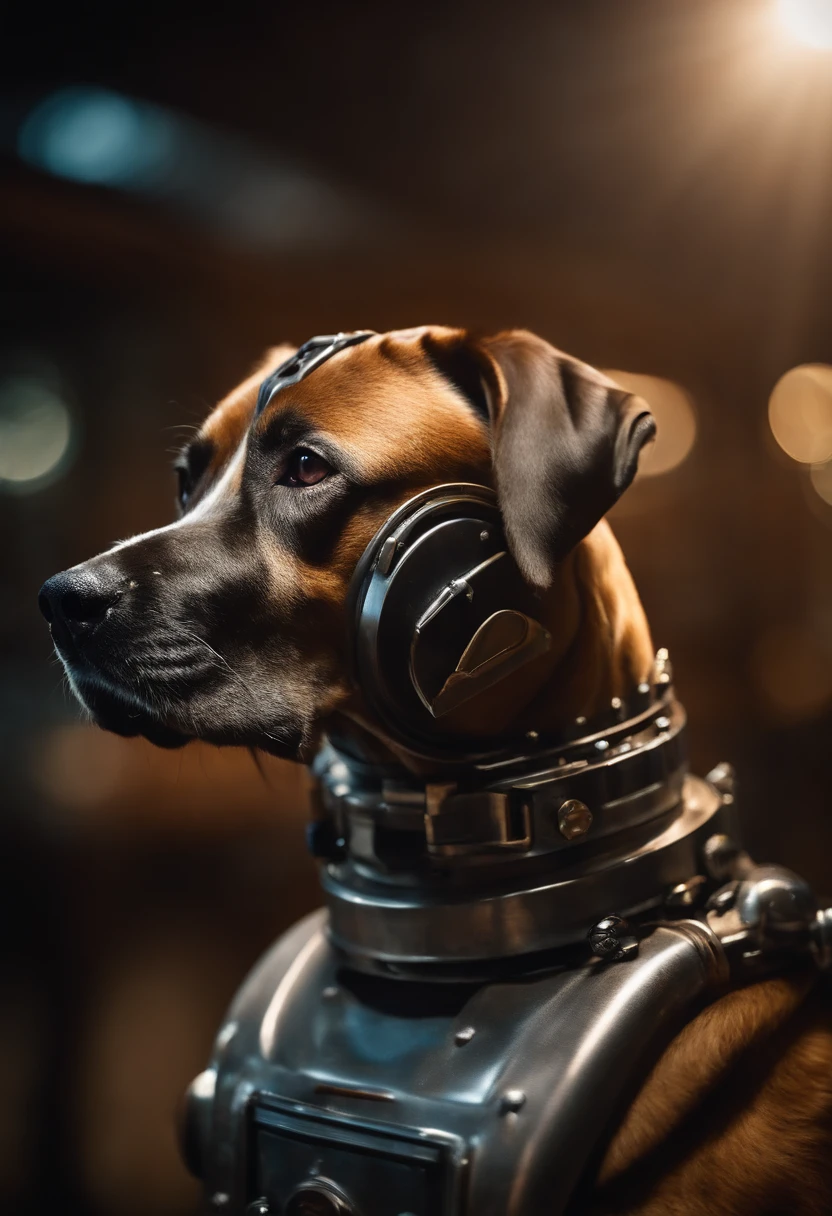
96 136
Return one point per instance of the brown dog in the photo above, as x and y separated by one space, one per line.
230 625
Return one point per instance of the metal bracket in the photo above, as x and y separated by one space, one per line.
457 823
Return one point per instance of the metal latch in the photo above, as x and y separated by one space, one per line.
474 821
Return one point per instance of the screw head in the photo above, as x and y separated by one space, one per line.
574 819
613 938
512 1101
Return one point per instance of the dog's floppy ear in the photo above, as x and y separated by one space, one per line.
565 438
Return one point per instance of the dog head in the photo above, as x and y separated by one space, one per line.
230 624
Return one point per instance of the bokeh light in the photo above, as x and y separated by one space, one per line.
800 413
36 434
820 476
791 668
808 21
93 135
675 417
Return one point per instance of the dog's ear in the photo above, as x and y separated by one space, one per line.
565 438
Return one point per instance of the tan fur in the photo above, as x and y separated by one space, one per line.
736 1117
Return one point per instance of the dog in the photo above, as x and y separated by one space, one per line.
230 625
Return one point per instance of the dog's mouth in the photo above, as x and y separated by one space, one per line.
116 710
153 703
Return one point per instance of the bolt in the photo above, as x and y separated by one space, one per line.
259 1207
723 857
723 778
512 1101
464 1036
662 669
574 819
613 938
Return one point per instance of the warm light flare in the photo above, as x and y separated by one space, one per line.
675 420
808 21
800 413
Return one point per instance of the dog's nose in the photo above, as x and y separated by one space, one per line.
78 600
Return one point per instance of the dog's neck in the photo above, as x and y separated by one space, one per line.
601 649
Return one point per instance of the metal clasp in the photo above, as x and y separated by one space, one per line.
476 821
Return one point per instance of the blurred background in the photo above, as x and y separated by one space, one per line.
648 185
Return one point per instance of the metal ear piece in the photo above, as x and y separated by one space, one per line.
441 613
502 644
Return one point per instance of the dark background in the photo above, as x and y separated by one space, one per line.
646 184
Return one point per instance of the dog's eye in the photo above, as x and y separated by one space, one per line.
183 486
304 468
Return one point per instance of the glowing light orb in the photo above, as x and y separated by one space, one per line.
675 421
95 136
800 413
808 21
35 433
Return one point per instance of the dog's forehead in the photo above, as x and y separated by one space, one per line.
381 399
229 420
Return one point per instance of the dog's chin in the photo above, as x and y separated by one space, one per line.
123 716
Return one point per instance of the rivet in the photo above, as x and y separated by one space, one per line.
616 703
662 723
220 1199
464 1036
330 992
643 689
602 745
532 735
721 855
484 535
512 1101
340 790
581 721
613 938
574 819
